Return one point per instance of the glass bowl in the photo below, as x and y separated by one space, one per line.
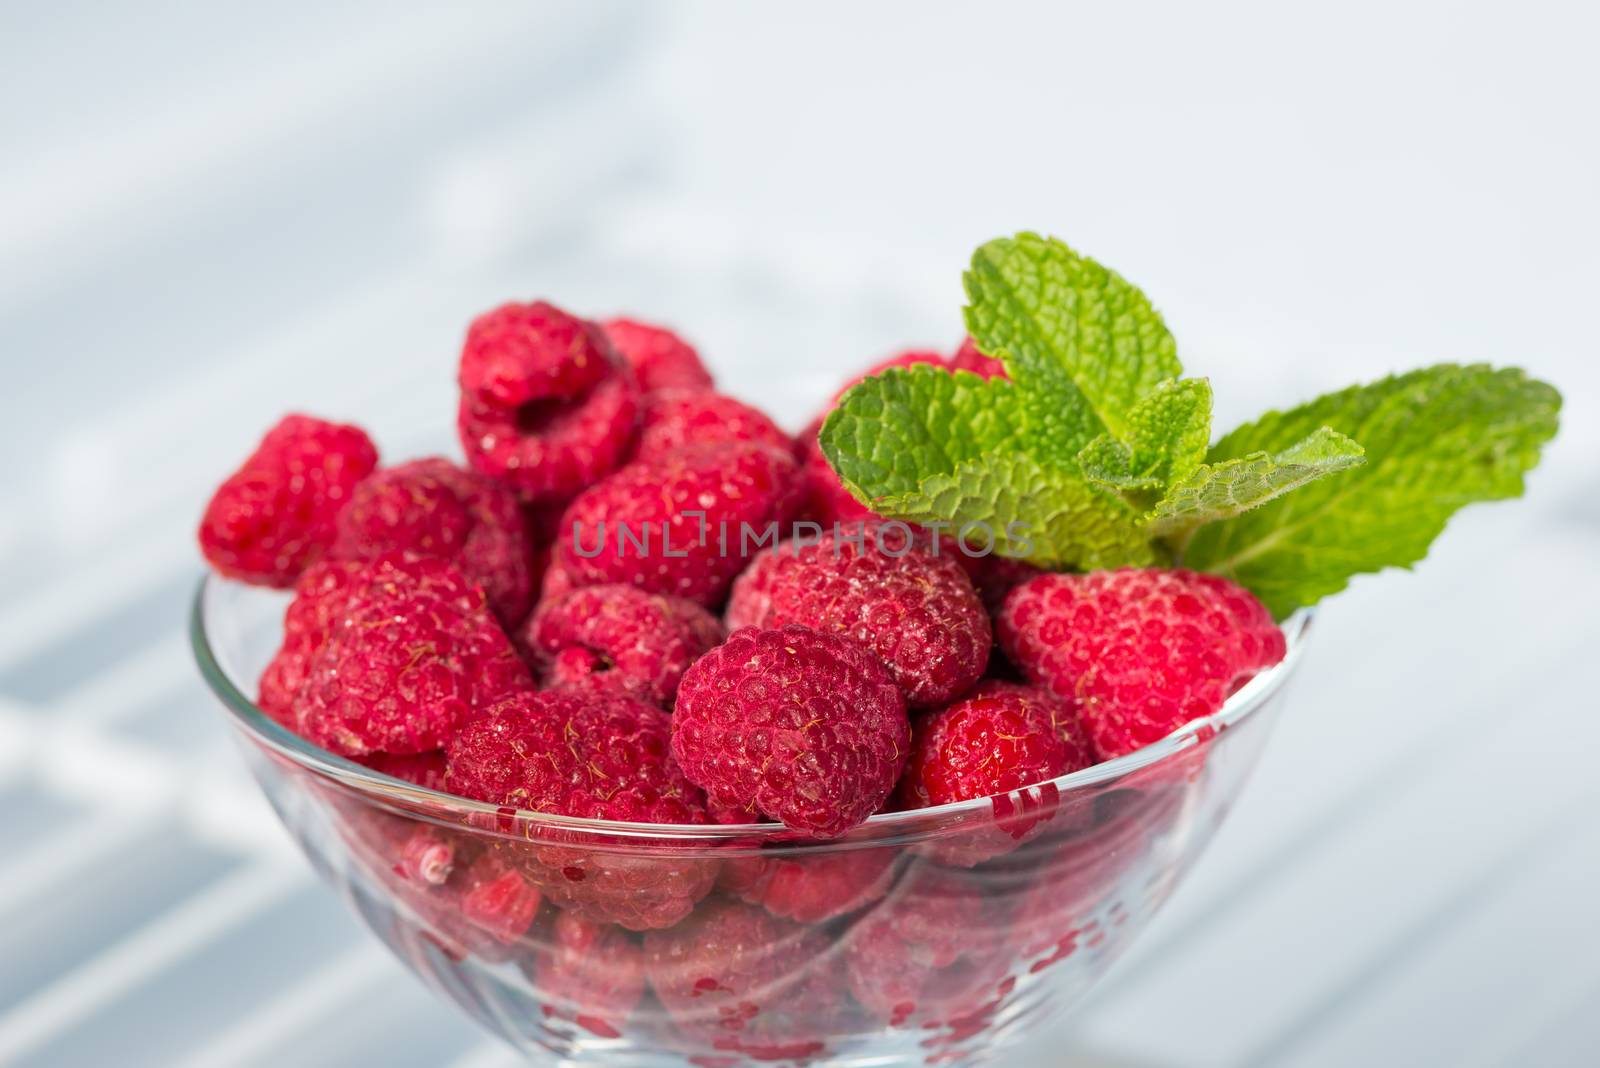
940 936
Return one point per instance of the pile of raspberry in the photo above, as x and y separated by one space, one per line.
600 612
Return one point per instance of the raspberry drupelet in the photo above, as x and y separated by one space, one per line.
660 359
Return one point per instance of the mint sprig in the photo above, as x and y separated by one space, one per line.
1094 453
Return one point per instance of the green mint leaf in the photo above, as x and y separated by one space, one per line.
1435 440
1168 431
1081 343
926 446
1232 487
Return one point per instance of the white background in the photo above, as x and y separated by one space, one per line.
211 213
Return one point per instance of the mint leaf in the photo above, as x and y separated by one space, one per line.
1168 432
1081 343
1232 487
927 446
1435 440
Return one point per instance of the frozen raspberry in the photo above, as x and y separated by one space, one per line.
418 769
968 358
1142 651
413 652
594 756
660 359
741 980
810 887
914 607
320 597
684 524
997 739
675 419
807 727
826 500
434 508
620 637
520 353
274 516
547 406
592 973
929 954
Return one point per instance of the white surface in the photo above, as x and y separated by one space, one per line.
211 213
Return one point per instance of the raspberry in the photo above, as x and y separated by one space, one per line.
998 739
810 887
683 524
1143 651
320 597
915 608
996 742
434 508
621 638
674 419
519 353
826 500
660 359
274 516
496 899
928 954
806 727
546 405
995 576
592 972
419 769
595 756
741 980
968 358
408 658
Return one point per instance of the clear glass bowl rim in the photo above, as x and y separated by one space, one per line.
416 801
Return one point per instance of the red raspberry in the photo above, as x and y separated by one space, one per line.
928 954
520 353
915 608
1143 651
996 742
274 516
434 508
684 524
995 576
497 900
660 359
546 405
810 887
320 598
741 980
968 358
414 651
595 756
806 727
998 739
826 500
621 638
419 769
592 973
675 419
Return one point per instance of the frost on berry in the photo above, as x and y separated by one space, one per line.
675 419
660 359
805 727
434 508
274 516
412 653
741 980
913 607
547 406
1142 651
592 755
620 638
683 525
